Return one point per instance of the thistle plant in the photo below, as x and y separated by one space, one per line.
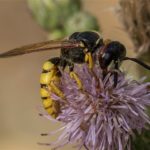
135 16
99 116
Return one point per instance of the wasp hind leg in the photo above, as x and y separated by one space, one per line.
49 80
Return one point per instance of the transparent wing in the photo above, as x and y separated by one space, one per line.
38 47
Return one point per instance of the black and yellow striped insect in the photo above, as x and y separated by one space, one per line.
78 48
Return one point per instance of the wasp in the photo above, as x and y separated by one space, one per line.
78 48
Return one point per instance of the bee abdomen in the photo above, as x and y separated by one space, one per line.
49 75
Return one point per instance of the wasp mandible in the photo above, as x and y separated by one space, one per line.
78 48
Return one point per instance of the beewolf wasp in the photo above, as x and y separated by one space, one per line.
78 48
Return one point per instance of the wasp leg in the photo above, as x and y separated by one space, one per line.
49 80
74 76
89 60
116 74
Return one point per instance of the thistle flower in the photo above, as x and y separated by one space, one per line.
99 116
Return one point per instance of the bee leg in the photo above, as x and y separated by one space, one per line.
49 80
74 76
116 74
89 59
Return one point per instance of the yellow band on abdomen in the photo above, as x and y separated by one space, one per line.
48 79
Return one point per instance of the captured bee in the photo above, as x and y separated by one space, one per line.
77 49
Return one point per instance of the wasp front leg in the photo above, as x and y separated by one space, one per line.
89 59
49 80
88 56
74 76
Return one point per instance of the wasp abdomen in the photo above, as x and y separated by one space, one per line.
49 80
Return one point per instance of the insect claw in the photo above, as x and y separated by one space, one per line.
75 76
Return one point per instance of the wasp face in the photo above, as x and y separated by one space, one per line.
114 51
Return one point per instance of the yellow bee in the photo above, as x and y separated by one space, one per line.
78 48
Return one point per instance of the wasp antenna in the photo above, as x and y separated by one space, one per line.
138 62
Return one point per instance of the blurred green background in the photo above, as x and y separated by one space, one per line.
20 125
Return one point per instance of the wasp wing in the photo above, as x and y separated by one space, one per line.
43 46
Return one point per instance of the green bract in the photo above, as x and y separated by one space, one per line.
52 14
62 17
81 21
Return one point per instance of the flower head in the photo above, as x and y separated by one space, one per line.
99 116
